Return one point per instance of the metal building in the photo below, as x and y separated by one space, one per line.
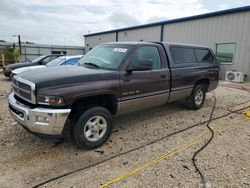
31 51
227 32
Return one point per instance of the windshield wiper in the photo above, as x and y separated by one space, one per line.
92 64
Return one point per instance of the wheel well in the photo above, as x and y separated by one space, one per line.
108 101
204 82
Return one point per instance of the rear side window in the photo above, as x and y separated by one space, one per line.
183 55
71 61
46 60
203 56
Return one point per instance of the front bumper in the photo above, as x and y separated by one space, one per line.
7 72
43 121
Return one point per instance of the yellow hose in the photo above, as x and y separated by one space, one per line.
246 115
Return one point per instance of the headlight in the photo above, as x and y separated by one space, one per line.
50 100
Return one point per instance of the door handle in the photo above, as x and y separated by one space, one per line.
126 79
163 76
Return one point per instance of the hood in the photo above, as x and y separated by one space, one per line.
30 68
63 75
19 65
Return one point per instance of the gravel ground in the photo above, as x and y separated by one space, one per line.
26 160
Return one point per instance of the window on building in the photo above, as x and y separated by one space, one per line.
225 53
57 52
183 55
203 56
147 53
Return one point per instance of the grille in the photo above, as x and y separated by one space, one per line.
23 90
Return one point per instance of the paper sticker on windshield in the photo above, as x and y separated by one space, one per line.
123 50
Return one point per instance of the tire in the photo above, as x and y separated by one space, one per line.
92 128
196 100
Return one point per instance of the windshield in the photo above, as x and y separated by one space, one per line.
56 62
38 58
105 57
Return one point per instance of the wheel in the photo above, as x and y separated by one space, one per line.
196 100
92 128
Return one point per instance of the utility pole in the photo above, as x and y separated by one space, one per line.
19 43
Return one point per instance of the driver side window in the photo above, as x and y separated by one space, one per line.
147 53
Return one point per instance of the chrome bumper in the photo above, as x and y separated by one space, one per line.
38 120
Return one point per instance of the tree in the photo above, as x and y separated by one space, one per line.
11 53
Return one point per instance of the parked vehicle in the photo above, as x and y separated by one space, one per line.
63 60
41 60
111 79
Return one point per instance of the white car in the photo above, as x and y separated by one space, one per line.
63 60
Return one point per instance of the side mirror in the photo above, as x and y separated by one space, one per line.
143 65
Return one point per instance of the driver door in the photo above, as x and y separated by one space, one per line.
143 89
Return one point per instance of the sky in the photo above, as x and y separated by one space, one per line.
64 22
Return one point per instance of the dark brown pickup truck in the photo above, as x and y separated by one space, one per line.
111 79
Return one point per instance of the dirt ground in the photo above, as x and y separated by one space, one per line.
26 161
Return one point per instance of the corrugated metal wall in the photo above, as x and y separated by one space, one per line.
144 34
232 28
32 51
92 41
